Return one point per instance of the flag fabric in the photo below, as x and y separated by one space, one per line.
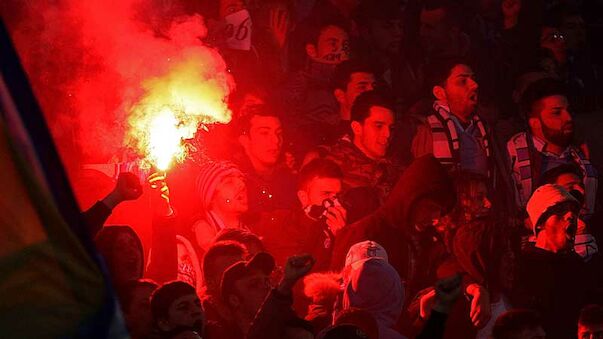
52 281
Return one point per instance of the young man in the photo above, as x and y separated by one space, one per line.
216 260
554 214
135 301
306 94
590 323
313 227
176 304
351 78
270 183
570 177
258 309
363 158
518 324
455 134
548 143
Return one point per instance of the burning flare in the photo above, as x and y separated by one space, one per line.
174 106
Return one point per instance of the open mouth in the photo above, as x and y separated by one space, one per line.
473 97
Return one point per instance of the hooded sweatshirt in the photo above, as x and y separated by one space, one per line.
391 224
375 287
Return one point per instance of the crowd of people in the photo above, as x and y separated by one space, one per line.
392 169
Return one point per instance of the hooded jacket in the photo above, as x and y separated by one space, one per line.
391 225
375 286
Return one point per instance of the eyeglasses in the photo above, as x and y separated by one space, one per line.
554 37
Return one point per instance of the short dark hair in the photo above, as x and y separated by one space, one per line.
513 322
438 71
366 12
343 72
454 11
361 109
537 91
241 236
551 176
125 292
264 110
591 315
218 249
165 295
314 31
318 168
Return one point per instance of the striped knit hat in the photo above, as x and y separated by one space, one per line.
210 176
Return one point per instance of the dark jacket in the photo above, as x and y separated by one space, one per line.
274 317
555 285
391 225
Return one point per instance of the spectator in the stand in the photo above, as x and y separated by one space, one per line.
176 304
518 324
351 78
549 142
135 301
313 227
122 251
258 310
570 177
554 214
455 133
381 32
447 291
223 200
375 286
590 323
306 95
270 182
440 32
363 159
218 258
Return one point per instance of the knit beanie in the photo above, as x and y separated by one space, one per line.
209 177
545 197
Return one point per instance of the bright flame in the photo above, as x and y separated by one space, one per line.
174 106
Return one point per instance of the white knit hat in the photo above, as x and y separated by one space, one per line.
545 197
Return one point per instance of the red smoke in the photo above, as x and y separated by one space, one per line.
87 60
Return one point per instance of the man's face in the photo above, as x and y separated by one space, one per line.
560 230
359 83
461 91
231 194
475 200
185 311
333 46
373 135
590 331
554 40
319 189
265 140
434 31
218 266
555 124
252 291
138 317
387 35
128 264
571 182
425 214
228 7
